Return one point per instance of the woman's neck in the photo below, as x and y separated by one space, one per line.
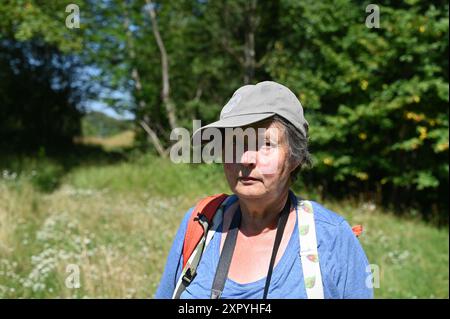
261 215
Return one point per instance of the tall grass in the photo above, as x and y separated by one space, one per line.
117 222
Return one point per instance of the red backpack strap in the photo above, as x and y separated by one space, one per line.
357 230
194 232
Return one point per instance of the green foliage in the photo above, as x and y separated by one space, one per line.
47 177
31 19
38 99
38 94
376 99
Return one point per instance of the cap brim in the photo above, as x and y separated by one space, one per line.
235 121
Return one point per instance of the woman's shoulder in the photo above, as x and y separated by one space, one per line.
325 215
332 227
330 223
229 200
185 220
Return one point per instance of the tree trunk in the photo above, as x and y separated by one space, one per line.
249 45
145 122
165 94
245 57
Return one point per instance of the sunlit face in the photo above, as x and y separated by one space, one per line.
262 171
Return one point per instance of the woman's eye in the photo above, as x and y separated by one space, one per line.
267 146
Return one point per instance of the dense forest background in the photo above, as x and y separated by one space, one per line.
376 98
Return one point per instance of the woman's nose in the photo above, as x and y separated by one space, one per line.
248 158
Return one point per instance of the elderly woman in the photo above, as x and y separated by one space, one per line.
263 241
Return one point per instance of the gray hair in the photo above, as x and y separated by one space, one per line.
298 145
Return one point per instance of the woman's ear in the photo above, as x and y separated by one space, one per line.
294 165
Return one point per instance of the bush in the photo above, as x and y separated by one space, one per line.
47 176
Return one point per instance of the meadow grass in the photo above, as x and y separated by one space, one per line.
117 222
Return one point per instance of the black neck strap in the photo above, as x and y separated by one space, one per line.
230 243
282 220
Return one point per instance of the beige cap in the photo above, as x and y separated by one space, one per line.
253 103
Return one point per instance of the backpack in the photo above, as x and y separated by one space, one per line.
207 216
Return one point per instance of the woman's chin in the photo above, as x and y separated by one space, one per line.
249 191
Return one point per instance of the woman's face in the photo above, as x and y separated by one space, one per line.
262 170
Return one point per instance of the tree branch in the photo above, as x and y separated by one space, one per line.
153 139
165 94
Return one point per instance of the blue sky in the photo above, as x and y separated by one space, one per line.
104 108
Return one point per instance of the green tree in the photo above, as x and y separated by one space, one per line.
377 99
39 95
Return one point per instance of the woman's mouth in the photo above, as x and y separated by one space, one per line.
248 180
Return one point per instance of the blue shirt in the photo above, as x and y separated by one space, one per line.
343 264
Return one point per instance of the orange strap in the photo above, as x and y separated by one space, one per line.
357 230
194 232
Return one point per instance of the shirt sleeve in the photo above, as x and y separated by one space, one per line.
174 262
354 279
